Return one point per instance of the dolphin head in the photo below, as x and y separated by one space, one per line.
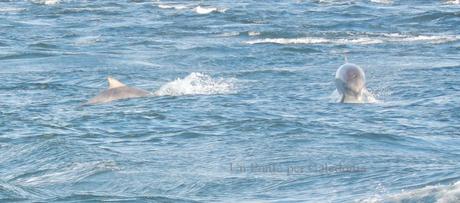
350 82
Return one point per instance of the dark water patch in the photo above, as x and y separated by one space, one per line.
93 10
191 135
38 86
268 71
303 50
432 16
26 55
110 198
44 46
434 69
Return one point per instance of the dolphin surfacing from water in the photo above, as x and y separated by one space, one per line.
351 83
117 90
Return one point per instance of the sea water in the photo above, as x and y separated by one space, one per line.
243 106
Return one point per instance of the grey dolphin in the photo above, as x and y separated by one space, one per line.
117 90
351 83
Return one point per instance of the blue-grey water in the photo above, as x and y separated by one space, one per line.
244 108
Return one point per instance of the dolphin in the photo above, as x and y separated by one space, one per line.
351 83
117 90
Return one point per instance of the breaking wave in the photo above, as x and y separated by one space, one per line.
46 2
207 10
11 10
172 6
453 2
74 172
382 1
380 39
436 193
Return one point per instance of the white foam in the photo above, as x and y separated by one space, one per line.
229 34
305 40
252 33
207 10
316 40
453 2
11 10
436 39
87 40
435 193
382 1
367 98
196 84
171 6
378 39
46 2
362 40
331 1
342 1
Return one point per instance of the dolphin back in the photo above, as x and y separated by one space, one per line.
118 93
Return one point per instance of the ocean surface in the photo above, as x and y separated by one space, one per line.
244 106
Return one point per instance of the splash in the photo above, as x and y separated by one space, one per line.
367 97
435 193
196 84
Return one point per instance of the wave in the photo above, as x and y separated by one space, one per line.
232 34
88 40
453 2
72 173
196 84
315 40
26 55
435 39
253 33
436 193
88 197
342 1
11 10
46 2
382 1
172 6
198 9
229 34
207 10
380 39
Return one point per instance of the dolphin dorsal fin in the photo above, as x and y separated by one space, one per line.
114 83
345 56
